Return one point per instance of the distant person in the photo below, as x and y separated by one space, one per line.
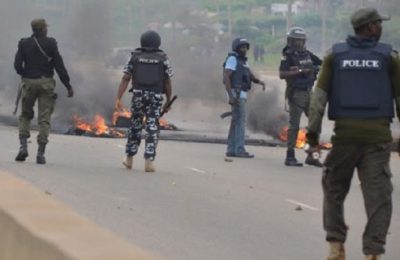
360 80
299 68
237 79
256 53
35 61
261 54
150 72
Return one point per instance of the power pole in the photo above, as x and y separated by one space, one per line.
230 19
323 25
289 15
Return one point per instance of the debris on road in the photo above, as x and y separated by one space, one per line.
299 208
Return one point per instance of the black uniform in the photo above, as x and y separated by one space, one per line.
31 63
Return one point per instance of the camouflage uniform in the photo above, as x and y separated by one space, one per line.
149 68
145 105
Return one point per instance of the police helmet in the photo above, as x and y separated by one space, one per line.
239 42
150 39
297 33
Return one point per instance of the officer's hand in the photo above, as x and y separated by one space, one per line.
262 83
233 101
307 71
70 92
118 105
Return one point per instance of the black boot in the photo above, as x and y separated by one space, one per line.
313 162
291 159
23 149
40 159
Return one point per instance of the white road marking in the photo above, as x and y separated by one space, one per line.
195 170
302 205
120 146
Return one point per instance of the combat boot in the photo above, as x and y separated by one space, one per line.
128 162
149 166
312 161
336 251
23 149
372 257
40 159
291 159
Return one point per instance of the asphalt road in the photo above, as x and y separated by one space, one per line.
196 206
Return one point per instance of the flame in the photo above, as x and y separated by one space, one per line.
326 146
121 113
97 126
301 137
164 124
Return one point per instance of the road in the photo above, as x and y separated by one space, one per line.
197 205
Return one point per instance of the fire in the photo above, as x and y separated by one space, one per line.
301 138
97 127
122 113
121 118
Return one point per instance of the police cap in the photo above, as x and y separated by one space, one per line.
366 15
38 24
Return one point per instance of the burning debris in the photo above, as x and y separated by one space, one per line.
96 128
301 138
122 119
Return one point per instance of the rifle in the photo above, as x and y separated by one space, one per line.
225 114
18 99
168 105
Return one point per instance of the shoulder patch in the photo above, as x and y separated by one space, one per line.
283 58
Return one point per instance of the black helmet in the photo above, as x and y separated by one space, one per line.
239 42
297 33
150 39
296 38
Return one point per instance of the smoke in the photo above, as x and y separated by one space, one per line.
87 31
88 40
265 113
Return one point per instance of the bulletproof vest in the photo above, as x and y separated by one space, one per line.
241 78
301 59
361 84
148 70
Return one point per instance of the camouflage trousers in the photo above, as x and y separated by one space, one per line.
372 164
145 105
42 90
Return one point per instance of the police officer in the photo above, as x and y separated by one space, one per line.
237 80
299 68
35 61
150 72
362 137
